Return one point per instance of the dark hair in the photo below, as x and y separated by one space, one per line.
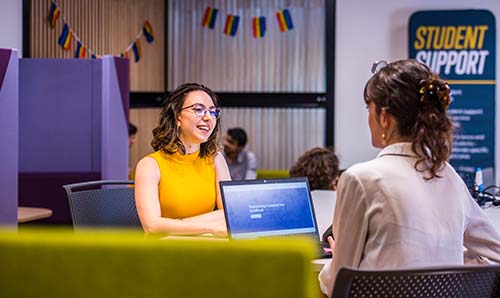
419 100
132 129
166 136
319 165
239 135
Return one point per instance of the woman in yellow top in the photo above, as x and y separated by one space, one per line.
177 187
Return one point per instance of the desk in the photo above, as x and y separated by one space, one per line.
25 214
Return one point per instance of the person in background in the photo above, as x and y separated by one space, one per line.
389 211
242 163
132 134
321 167
177 187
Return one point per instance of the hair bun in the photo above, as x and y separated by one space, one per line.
435 92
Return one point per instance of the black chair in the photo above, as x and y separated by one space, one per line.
106 206
456 282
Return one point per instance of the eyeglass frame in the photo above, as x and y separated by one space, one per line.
214 113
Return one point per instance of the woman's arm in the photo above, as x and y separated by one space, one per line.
148 207
221 174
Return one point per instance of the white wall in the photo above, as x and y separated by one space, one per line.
367 31
11 24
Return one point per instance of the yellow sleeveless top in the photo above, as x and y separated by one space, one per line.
187 184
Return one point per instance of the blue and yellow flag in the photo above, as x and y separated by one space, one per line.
209 17
231 25
65 37
136 47
147 30
259 26
284 20
55 12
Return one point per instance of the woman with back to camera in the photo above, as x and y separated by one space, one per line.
407 207
177 187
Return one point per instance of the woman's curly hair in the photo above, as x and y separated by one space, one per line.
319 165
419 100
166 135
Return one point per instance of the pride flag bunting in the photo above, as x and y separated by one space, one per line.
259 26
209 17
80 50
284 20
147 30
137 50
94 56
231 25
55 12
124 54
65 37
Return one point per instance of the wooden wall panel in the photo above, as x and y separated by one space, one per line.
107 27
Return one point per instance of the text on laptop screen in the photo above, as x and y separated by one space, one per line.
268 209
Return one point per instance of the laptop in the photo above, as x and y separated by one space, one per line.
270 208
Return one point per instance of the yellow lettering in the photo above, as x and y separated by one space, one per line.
420 39
451 31
482 31
470 37
431 29
459 37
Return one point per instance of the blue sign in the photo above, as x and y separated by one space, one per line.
459 45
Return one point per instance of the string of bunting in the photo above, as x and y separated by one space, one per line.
68 34
258 24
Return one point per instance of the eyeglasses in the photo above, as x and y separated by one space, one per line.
378 65
200 110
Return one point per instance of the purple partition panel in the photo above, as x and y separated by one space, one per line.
59 130
115 106
9 89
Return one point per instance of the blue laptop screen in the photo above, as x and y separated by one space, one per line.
268 209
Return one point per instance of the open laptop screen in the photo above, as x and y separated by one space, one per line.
274 207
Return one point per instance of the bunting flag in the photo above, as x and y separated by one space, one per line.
209 17
54 14
148 32
231 25
259 26
81 50
136 47
65 37
284 20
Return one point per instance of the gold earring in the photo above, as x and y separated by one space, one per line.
383 136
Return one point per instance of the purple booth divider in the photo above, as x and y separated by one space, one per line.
9 69
73 127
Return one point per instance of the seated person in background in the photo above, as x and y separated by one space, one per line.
242 163
177 187
132 132
321 167
390 210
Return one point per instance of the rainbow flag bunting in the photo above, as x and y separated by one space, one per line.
137 50
93 56
259 26
65 37
55 12
209 17
231 25
284 20
80 50
148 32
124 54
